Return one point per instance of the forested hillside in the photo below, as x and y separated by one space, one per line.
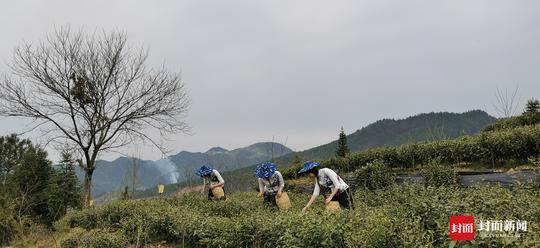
391 132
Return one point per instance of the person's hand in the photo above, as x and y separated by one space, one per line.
260 194
305 209
328 200
279 193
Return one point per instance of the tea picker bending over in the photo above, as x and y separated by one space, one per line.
327 179
213 180
271 183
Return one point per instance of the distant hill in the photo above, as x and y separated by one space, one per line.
391 132
186 162
112 175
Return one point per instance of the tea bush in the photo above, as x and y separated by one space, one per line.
526 119
291 172
374 175
338 163
396 216
437 175
95 239
517 144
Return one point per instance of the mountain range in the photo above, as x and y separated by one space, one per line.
113 175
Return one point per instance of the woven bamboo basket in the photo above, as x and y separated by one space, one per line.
333 206
218 192
283 202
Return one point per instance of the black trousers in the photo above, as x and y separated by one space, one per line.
269 200
345 199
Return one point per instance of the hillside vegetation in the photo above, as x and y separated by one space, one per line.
390 132
493 147
515 140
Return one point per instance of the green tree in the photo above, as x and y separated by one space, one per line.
12 150
63 189
28 184
533 106
342 148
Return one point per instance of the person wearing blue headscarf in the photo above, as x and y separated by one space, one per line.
328 179
271 183
211 179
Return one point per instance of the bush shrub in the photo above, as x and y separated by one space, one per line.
517 144
397 216
94 239
535 161
438 175
373 228
7 226
71 238
526 119
337 163
374 175
86 219
291 172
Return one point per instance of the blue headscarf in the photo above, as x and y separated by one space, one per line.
308 166
265 170
204 171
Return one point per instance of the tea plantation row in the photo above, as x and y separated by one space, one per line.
487 147
398 216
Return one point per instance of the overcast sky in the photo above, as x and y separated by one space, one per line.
299 70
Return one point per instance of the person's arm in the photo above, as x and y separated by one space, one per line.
316 192
221 182
261 187
334 178
329 199
281 184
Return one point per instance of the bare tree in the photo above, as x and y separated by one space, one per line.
94 92
506 102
